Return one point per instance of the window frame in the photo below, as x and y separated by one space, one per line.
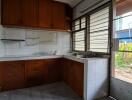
87 28
81 29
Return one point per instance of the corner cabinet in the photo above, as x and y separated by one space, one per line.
45 14
73 75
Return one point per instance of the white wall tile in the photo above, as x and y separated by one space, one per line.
1 43
14 33
36 41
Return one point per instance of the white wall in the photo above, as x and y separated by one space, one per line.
121 90
36 41
85 4
96 78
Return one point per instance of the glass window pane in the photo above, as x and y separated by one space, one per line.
123 66
77 22
83 22
125 44
83 25
77 27
79 40
100 13
123 32
99 25
83 19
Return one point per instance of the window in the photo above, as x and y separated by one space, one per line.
79 40
99 25
91 32
123 57
79 32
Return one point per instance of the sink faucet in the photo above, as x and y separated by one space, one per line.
54 52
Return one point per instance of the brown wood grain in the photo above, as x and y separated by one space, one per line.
37 14
11 12
29 13
44 14
13 75
58 15
73 75
20 74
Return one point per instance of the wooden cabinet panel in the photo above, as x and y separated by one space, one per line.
11 12
35 14
73 75
13 75
54 70
42 71
44 11
29 13
36 72
58 16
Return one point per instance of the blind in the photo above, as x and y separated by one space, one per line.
79 40
99 24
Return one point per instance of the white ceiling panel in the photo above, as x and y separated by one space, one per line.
70 2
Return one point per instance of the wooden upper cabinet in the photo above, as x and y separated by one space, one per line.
29 13
44 14
58 16
11 12
35 14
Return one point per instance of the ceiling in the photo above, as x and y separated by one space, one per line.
70 2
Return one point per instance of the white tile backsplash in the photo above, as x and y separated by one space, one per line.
36 41
2 51
14 33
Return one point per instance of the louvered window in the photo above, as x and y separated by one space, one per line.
79 31
79 40
91 32
99 25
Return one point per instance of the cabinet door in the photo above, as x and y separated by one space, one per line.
11 12
58 16
44 18
36 72
54 70
29 13
73 73
78 77
13 75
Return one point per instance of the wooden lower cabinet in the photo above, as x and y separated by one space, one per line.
35 72
54 70
12 75
73 75
42 71
20 74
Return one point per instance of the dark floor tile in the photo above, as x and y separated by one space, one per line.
56 91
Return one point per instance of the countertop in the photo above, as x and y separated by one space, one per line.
33 57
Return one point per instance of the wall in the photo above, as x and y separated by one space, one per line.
84 5
121 90
36 41
96 78
1 43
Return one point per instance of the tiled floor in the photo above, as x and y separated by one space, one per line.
56 91
105 98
